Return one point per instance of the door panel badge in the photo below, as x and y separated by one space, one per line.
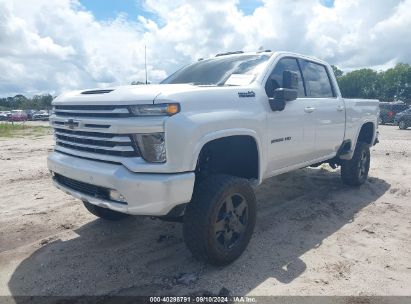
249 94
281 139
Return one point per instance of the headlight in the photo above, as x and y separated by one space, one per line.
164 109
152 147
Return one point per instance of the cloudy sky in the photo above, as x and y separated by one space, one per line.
54 46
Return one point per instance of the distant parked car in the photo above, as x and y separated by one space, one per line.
41 115
18 115
4 115
403 119
389 109
30 114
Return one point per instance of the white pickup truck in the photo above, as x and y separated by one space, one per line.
192 147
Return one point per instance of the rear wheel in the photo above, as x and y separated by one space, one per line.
402 125
219 221
105 213
354 172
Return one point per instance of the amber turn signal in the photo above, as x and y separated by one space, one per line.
173 108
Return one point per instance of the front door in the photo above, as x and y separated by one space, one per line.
291 132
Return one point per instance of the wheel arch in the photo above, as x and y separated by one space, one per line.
366 133
225 134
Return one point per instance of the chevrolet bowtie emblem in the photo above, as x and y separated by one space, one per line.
71 123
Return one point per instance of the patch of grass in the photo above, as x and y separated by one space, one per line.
22 130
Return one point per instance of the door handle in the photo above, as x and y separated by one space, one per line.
340 108
309 109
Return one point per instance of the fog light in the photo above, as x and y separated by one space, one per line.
117 196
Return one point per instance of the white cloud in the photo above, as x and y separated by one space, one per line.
52 46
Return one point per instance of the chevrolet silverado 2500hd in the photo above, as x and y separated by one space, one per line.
192 147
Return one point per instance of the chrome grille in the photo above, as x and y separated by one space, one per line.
95 142
92 111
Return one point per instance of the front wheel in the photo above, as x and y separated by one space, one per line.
354 172
402 125
219 221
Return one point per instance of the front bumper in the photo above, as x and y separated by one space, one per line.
145 194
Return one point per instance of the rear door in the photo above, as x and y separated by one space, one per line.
329 110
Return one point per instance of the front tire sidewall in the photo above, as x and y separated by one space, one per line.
201 215
215 249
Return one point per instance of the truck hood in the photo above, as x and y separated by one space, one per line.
122 95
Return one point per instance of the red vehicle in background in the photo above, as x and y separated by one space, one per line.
18 115
388 110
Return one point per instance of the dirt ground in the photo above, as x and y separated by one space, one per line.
314 236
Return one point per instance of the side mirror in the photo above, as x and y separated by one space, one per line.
281 96
288 92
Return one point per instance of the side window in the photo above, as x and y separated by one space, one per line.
317 82
275 80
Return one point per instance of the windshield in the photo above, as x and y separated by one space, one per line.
224 70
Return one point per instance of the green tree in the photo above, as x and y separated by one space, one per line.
46 101
37 102
396 83
337 71
18 101
362 83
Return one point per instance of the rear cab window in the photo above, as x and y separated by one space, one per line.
316 79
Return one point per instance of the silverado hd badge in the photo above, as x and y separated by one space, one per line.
246 94
280 139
